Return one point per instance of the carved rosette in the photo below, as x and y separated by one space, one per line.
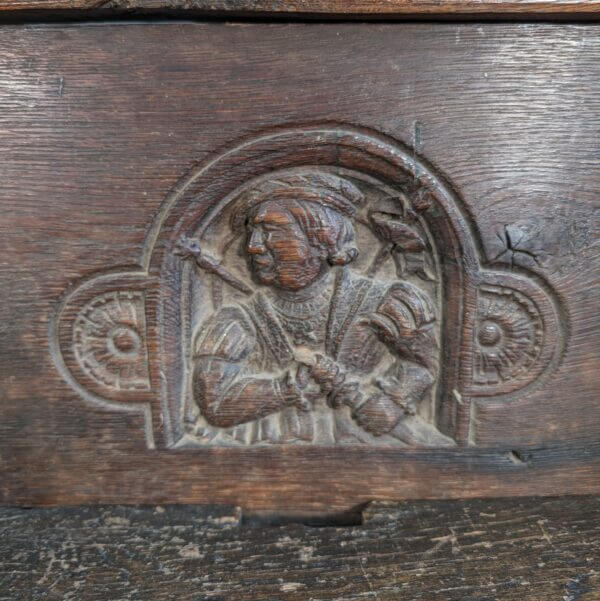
509 335
109 340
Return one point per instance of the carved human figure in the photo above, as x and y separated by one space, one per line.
317 353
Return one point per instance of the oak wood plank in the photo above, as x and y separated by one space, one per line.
506 550
98 124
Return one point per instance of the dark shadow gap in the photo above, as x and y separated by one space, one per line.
336 519
115 16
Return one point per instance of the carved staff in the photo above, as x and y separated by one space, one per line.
187 248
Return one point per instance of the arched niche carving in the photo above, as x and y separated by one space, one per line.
497 332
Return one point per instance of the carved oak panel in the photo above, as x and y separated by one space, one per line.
340 285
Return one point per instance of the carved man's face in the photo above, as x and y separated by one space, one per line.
279 251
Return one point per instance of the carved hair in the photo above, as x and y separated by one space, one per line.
323 205
326 230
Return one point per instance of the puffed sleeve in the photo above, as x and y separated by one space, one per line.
405 322
228 335
226 393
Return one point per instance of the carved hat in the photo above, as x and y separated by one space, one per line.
320 187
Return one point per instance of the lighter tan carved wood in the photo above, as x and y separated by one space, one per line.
313 286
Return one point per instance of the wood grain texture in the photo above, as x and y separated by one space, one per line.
99 123
326 8
512 550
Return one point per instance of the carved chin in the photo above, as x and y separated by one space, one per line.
265 276
283 282
290 282
288 276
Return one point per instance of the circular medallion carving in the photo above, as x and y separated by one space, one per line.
509 335
108 340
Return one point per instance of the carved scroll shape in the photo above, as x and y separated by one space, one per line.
406 326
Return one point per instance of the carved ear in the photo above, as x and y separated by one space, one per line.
518 335
101 343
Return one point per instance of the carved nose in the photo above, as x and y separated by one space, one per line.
255 243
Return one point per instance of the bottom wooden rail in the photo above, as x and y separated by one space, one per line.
527 549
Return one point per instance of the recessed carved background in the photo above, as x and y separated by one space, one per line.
313 311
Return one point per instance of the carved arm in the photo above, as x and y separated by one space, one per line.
225 393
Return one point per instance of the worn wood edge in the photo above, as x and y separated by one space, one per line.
363 9
289 475
227 515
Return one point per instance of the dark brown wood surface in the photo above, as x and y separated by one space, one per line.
512 550
98 124
327 8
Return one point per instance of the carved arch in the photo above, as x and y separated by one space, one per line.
484 309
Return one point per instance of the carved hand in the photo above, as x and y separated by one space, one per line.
408 391
327 373
333 382
297 391
379 414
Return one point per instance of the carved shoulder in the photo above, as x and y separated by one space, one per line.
408 306
228 334
404 322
